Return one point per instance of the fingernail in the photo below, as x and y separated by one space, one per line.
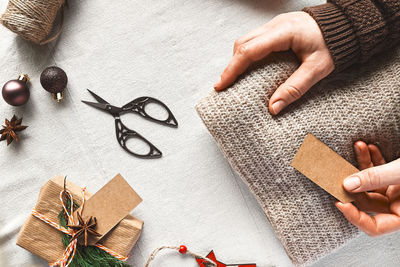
278 106
351 183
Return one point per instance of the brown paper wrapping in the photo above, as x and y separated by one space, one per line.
45 241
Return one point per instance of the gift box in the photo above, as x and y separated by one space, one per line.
40 235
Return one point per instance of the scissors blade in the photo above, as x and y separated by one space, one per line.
98 98
96 105
113 110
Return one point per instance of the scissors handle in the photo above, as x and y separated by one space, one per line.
139 106
124 134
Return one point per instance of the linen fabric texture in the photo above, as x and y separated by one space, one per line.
361 104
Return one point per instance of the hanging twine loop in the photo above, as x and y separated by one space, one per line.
33 19
154 253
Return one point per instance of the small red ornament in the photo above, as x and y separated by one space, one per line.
182 249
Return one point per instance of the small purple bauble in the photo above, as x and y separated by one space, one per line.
16 92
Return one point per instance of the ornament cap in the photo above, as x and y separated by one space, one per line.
58 96
24 78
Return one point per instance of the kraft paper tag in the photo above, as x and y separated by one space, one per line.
110 205
324 167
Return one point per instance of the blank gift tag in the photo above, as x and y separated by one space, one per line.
324 167
110 205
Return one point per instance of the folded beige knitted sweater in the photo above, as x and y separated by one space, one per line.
363 103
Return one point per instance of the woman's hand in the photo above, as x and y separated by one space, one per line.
297 31
382 197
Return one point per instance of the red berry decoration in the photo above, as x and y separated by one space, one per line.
182 249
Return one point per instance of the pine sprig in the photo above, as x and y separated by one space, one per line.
89 256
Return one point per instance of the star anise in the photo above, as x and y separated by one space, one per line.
9 131
85 228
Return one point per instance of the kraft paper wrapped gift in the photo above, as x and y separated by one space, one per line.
45 241
363 103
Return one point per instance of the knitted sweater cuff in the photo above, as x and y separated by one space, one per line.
338 33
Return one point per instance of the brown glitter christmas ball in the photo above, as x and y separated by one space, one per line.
54 80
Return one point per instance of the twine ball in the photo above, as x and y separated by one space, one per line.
32 19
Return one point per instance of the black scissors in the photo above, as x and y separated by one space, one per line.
137 106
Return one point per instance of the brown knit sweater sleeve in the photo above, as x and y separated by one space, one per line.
354 30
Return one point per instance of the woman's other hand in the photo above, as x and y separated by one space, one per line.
381 183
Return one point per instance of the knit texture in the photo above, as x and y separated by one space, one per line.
361 104
356 30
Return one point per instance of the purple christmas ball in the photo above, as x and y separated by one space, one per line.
16 92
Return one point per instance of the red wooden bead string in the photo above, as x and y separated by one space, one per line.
181 249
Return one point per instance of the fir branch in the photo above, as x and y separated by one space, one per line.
89 256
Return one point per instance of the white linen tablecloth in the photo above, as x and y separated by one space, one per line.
172 50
